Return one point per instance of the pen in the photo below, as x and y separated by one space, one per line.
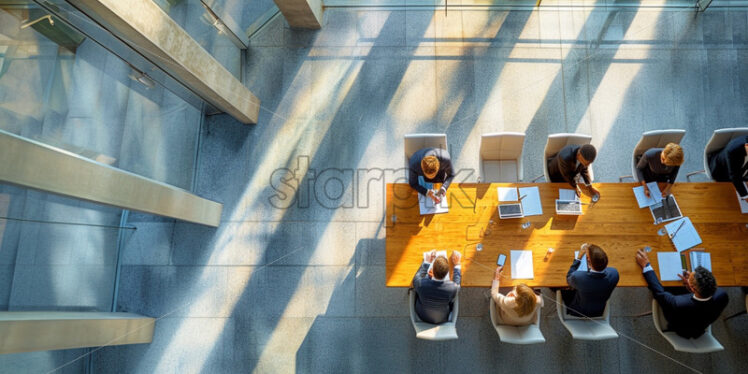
678 229
522 197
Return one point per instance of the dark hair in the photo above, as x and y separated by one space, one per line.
598 258
441 268
589 152
705 282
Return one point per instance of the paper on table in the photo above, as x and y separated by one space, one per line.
522 264
583 265
699 258
655 196
438 254
567 195
427 206
507 193
743 204
531 202
684 238
670 265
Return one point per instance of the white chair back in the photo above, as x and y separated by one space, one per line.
428 331
719 140
558 141
414 142
705 343
597 328
501 157
529 334
654 139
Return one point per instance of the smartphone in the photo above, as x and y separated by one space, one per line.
500 261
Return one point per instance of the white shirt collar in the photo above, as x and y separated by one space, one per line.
700 299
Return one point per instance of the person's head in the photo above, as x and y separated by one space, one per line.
586 154
525 298
702 282
597 258
441 268
430 166
672 155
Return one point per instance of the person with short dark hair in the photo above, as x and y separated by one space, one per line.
690 313
660 165
434 293
434 166
590 289
569 163
730 164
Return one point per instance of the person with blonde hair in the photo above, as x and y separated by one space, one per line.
519 307
660 165
428 166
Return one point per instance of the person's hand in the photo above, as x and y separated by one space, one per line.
646 189
582 251
578 191
745 198
641 258
594 191
456 257
684 278
431 256
497 273
434 197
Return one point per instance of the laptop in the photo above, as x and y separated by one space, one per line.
569 207
511 211
666 210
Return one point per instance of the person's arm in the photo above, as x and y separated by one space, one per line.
569 275
421 274
586 176
413 181
495 295
640 167
448 176
658 292
735 159
673 174
457 271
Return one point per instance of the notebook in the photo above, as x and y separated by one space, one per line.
670 265
521 264
531 201
683 234
507 194
655 196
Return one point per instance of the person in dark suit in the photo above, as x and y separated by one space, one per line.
435 166
730 164
590 289
434 293
572 162
690 313
660 165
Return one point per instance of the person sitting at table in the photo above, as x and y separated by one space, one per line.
690 311
730 164
517 308
434 293
434 166
590 289
660 165
572 162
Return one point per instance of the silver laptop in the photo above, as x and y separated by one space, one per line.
511 211
569 207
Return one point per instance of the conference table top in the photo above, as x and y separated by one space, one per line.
615 223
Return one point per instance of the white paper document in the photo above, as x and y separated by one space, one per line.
522 264
507 194
583 265
531 201
655 196
743 204
427 206
438 254
683 234
700 258
567 195
670 265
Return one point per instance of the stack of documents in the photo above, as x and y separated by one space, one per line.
530 198
655 196
670 265
699 258
583 265
743 204
522 264
683 234
427 205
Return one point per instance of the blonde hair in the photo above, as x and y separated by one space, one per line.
526 300
430 166
673 154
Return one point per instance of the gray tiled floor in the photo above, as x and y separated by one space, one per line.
301 289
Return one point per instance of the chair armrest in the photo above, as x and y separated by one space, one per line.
689 175
621 178
536 178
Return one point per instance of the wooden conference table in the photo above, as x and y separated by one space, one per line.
615 223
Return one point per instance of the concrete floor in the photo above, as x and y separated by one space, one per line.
297 285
